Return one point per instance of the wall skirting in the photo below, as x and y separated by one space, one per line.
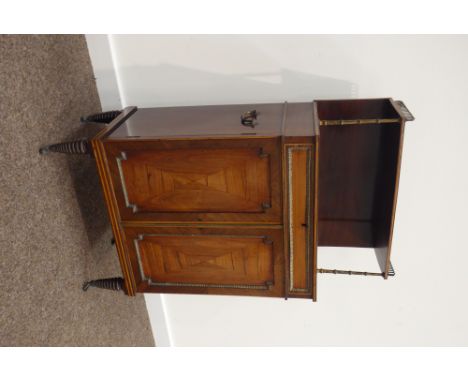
159 320
105 69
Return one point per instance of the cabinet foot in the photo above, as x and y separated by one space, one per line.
114 283
105 117
80 146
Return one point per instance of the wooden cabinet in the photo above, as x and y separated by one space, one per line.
235 199
198 195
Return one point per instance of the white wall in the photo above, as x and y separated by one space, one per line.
426 303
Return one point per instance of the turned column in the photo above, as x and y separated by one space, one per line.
80 146
114 283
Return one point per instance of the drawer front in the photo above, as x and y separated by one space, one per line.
196 180
206 261
300 202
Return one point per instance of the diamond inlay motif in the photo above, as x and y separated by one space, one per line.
197 180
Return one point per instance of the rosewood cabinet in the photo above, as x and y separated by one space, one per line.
235 199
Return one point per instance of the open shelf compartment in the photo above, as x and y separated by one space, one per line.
359 162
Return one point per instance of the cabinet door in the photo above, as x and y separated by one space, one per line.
300 202
199 180
207 260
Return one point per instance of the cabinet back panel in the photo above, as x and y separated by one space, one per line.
300 222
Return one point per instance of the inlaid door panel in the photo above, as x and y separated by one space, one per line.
211 260
300 190
234 180
194 180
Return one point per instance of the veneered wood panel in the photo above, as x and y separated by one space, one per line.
299 215
206 260
210 120
300 199
197 180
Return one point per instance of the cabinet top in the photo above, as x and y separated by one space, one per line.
247 120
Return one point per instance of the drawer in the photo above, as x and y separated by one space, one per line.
197 181
207 260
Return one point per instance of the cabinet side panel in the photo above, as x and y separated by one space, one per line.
392 145
109 197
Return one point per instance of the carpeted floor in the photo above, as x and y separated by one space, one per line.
54 231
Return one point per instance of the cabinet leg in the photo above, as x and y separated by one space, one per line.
105 117
80 146
114 283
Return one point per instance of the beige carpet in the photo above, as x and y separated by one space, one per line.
54 231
